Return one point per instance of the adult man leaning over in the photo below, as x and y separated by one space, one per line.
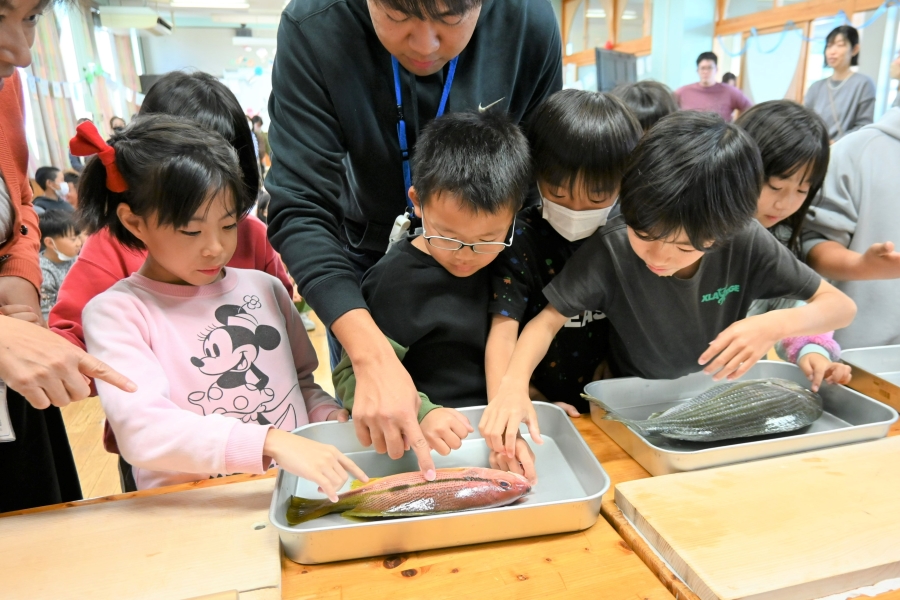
337 177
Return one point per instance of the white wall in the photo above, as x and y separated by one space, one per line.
203 49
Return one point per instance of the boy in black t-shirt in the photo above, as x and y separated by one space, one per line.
580 145
678 268
429 295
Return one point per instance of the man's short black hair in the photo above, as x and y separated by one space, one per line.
729 76
790 137
650 101
692 172
435 10
582 138
482 158
58 223
708 56
45 174
848 33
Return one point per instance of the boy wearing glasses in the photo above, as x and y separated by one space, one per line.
429 295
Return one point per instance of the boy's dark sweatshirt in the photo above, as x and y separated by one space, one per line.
336 175
441 318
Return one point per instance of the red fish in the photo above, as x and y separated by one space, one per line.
410 495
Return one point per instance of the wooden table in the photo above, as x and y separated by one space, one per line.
593 563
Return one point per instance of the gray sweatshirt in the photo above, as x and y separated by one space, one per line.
853 108
859 207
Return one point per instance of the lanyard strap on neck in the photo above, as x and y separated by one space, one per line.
401 121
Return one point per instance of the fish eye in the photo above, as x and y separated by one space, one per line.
504 485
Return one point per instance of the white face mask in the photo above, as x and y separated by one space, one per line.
60 255
574 225
63 189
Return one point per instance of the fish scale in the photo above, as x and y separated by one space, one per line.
732 410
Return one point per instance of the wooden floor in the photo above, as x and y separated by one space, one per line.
98 469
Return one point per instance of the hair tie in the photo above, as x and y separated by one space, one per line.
87 141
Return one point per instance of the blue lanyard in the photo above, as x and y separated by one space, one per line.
401 124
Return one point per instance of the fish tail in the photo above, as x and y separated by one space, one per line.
303 509
610 415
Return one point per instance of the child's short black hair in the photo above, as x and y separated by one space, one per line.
256 119
203 98
708 56
71 178
482 158
692 172
430 9
57 223
848 33
45 174
650 101
172 167
729 76
790 137
580 137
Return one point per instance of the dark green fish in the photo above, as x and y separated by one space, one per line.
732 410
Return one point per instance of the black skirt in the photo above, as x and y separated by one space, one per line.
38 468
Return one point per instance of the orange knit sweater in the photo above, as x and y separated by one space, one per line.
19 255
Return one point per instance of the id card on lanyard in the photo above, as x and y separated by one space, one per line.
402 222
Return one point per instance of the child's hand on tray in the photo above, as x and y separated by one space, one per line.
320 463
445 429
499 424
522 464
817 367
741 345
341 415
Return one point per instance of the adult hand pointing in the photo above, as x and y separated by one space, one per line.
386 404
48 370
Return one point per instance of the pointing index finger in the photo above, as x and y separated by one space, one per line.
420 446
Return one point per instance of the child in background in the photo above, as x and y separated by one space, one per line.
676 273
650 101
429 295
222 362
62 243
793 143
580 145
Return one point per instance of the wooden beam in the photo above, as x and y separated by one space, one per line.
798 13
581 59
640 47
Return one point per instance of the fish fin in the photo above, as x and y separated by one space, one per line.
301 510
356 483
362 513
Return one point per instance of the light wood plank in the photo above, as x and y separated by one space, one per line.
793 527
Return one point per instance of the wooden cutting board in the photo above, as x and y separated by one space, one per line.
793 527
176 545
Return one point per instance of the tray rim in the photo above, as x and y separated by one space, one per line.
654 447
393 521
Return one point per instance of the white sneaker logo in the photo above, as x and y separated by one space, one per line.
481 108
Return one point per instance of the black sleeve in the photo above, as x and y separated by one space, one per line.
776 272
581 284
390 299
511 284
305 178
551 78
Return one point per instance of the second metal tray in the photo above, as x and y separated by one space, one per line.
876 372
566 498
849 417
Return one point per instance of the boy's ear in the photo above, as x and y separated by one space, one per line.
45 241
135 224
414 197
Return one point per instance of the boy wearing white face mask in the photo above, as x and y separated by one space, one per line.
62 243
580 142
55 189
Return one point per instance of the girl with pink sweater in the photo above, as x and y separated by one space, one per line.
220 356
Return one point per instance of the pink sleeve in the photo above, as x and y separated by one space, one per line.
793 345
152 431
741 101
270 260
318 403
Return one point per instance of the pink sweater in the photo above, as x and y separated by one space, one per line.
216 366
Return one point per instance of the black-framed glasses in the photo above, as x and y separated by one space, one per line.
451 244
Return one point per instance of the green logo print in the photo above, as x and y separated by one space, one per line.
720 294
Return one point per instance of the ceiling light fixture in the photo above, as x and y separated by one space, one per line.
217 4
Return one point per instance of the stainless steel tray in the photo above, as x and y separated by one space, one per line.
849 417
876 372
567 497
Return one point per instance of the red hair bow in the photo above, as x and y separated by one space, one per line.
87 141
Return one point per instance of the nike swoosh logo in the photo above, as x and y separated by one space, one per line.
481 108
